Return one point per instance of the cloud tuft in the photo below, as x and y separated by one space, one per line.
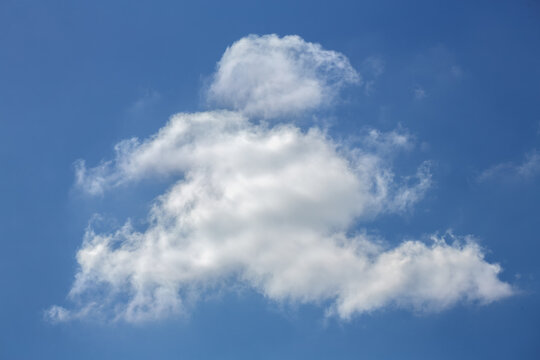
509 171
270 76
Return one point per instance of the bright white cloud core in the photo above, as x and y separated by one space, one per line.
270 207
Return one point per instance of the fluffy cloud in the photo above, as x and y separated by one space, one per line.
268 76
271 207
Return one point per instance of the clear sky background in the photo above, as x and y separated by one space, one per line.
461 79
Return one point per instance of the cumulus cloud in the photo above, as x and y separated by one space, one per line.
509 171
268 76
270 207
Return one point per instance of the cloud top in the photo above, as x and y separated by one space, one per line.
270 76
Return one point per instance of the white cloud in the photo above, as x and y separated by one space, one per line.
509 171
211 140
268 76
269 208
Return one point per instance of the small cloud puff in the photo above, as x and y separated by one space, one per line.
270 76
509 171
372 68
419 93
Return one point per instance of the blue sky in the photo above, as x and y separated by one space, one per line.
307 255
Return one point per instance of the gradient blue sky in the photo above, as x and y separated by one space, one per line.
463 78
